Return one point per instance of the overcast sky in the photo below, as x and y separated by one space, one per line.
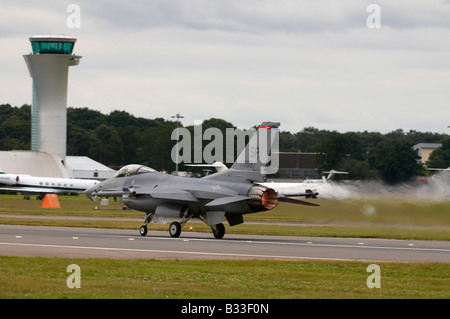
302 63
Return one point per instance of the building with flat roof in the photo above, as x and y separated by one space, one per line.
424 150
83 167
296 165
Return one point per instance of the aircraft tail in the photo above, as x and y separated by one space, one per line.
332 173
258 158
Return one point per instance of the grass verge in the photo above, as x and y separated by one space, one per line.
36 277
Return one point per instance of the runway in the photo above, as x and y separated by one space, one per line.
71 242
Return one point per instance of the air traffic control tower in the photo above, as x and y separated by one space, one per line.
49 68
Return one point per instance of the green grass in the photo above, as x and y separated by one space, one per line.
35 277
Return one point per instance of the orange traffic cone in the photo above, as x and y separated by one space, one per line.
51 201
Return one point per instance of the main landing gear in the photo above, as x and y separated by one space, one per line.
218 230
175 230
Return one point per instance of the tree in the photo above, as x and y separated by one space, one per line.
129 137
395 160
85 118
120 138
108 145
79 141
332 150
308 139
440 158
156 146
15 127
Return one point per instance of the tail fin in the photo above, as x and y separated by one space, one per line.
332 173
252 163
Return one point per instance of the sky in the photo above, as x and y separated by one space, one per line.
334 65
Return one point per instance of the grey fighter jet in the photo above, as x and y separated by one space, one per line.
227 194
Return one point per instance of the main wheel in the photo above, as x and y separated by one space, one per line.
218 230
175 229
143 230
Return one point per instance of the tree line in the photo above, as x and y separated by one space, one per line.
119 138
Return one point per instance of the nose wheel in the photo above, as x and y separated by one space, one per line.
143 230
147 218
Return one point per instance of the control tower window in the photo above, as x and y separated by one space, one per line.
51 47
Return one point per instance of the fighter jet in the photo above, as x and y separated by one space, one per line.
228 194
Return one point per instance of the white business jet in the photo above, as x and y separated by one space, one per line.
43 185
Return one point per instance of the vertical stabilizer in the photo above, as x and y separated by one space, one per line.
258 158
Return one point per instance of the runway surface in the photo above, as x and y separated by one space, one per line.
128 244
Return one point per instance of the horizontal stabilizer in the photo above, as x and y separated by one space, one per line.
296 201
308 194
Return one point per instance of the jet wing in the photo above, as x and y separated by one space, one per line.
182 196
163 193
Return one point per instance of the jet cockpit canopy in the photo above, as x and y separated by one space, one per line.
133 169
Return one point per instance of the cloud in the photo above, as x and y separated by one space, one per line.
248 16
304 63
232 15
256 16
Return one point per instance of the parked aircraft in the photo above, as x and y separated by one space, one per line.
323 186
227 194
43 185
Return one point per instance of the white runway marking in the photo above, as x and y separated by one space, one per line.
175 252
310 244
